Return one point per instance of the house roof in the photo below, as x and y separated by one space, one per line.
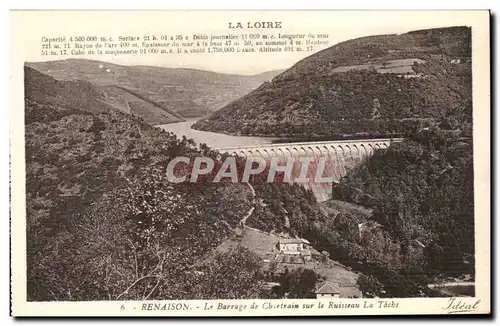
327 287
270 285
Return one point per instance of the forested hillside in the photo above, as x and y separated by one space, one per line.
421 226
104 223
422 189
377 85
388 266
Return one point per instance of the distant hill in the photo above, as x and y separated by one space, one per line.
376 85
77 94
85 96
186 92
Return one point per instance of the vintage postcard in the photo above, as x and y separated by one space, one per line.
250 163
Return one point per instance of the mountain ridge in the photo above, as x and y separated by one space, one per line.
185 92
382 84
86 96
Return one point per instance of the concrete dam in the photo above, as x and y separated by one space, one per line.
339 157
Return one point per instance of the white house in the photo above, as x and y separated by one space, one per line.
295 248
291 246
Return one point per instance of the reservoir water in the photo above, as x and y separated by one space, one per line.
213 139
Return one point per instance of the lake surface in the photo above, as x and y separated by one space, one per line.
213 139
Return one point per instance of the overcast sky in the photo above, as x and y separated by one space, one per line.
339 25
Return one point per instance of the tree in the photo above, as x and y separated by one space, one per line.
369 286
324 256
300 283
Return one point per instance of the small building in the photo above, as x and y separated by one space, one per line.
291 246
294 251
327 289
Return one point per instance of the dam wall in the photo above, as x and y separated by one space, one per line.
339 157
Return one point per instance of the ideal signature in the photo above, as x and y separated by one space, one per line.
461 305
